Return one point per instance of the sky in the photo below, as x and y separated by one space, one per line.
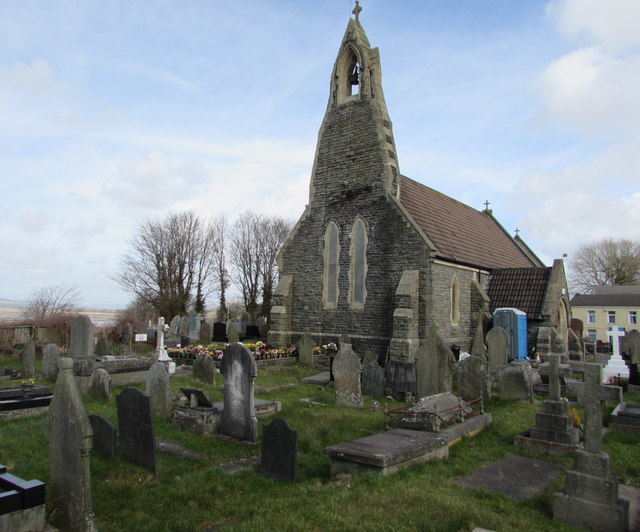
120 111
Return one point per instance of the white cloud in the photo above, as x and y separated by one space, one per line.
36 77
612 23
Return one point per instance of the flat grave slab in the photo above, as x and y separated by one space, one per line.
517 477
626 417
321 379
387 452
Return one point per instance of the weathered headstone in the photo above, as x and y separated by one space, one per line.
400 379
515 383
434 365
238 417
135 425
245 320
346 374
70 438
100 384
81 337
50 357
616 367
204 369
279 451
373 380
28 359
219 331
497 349
104 435
205 333
158 388
232 334
473 379
183 330
126 340
102 345
479 348
194 325
305 350
174 325
590 494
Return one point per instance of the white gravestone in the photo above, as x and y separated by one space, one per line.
616 366
161 352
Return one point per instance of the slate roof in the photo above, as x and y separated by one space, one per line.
463 234
606 300
521 288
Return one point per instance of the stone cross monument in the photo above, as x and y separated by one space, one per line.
161 352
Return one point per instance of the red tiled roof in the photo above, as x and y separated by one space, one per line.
461 233
521 288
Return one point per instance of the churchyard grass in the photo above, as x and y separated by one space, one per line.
196 495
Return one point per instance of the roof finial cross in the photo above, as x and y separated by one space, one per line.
356 11
517 231
486 205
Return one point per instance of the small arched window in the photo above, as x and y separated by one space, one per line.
455 301
330 275
358 270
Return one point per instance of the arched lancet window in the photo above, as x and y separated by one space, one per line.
455 301
358 270
330 275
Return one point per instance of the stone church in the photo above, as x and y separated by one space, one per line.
377 259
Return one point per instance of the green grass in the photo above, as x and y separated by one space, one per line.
196 495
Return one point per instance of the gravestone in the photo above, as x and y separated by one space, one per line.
100 384
238 416
479 348
50 357
245 320
158 388
279 451
305 350
434 365
135 425
194 325
161 353
252 332
400 379
174 325
204 369
553 432
497 349
373 380
183 329
219 332
616 367
126 340
81 338
346 374
589 497
102 345
69 435
205 333
515 383
104 435
28 359
473 379
232 334
631 346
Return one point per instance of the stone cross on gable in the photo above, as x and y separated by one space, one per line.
593 397
356 11
517 231
615 333
554 377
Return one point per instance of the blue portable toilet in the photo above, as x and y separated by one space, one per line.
513 321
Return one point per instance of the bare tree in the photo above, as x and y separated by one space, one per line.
254 244
170 263
605 262
219 230
51 302
274 231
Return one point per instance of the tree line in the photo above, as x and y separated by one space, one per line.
180 261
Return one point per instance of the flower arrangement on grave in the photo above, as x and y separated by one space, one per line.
190 352
330 348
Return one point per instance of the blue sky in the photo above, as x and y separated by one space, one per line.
116 111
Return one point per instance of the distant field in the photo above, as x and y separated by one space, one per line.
99 317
